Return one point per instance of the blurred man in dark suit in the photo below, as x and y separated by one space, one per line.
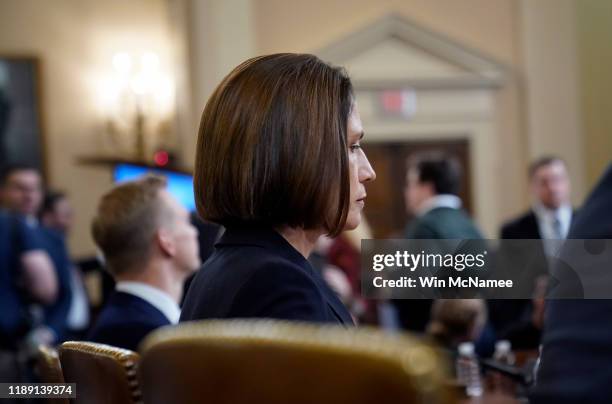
26 275
432 185
549 219
551 214
57 214
21 193
150 248
577 340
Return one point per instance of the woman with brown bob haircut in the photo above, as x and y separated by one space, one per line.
278 163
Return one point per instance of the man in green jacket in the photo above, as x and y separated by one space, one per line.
432 185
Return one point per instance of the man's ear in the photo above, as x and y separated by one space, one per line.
165 242
431 188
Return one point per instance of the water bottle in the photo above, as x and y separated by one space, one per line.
503 355
503 352
468 371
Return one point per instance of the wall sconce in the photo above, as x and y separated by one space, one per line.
138 101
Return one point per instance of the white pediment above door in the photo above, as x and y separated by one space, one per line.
394 52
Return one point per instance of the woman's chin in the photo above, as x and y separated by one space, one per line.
352 221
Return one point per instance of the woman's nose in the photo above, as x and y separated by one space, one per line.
366 173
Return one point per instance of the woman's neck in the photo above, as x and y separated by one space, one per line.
300 239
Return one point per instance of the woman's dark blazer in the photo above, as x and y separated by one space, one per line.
255 273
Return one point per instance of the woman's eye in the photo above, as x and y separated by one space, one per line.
355 146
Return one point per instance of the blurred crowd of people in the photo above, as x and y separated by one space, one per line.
42 295
431 196
151 246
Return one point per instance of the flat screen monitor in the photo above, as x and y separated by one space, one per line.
180 185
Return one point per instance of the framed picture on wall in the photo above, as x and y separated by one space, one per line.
21 129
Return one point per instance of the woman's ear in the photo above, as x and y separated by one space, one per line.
165 241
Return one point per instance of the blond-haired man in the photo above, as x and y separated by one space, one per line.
150 248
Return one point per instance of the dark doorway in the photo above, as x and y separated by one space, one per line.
385 209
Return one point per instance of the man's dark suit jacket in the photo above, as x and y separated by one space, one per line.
56 315
255 273
577 342
125 321
16 238
523 227
511 319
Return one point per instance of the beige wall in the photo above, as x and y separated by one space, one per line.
551 84
594 27
220 36
490 27
75 41
539 107
486 25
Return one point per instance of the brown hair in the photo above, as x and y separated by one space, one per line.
126 221
441 170
452 320
272 145
543 162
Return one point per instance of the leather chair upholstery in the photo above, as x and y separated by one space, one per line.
274 362
50 370
103 374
